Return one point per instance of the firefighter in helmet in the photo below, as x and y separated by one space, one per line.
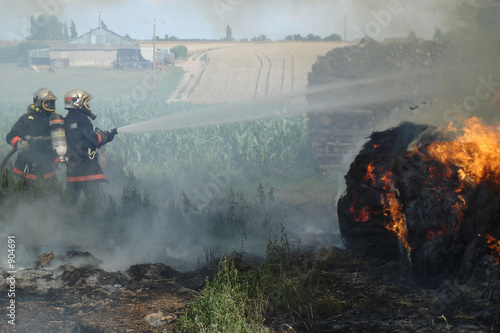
30 136
84 174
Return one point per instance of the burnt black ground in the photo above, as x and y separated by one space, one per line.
358 295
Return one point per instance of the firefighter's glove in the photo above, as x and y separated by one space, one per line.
104 137
110 135
22 146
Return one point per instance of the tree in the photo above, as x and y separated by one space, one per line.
412 35
229 33
180 51
46 27
65 30
438 35
260 38
72 30
127 36
103 25
313 37
19 53
333 38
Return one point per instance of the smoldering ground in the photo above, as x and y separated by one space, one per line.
121 234
131 228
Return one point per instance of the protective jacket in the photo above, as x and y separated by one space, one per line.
83 141
38 162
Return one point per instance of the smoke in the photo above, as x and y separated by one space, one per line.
472 87
48 225
275 19
399 17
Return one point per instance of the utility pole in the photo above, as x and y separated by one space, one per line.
345 27
154 58
99 19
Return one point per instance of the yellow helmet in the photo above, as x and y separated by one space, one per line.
44 99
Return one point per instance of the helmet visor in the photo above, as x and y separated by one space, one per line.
87 103
49 105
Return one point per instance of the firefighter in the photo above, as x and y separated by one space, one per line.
30 136
84 174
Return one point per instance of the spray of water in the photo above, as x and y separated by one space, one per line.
340 96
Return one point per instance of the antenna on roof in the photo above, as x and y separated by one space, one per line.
99 19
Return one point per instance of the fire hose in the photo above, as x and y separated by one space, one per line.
13 150
58 139
6 158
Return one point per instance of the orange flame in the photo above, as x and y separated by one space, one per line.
393 208
369 173
494 246
389 200
476 151
360 215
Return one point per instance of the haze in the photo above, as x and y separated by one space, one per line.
207 19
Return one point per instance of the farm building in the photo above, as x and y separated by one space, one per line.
96 48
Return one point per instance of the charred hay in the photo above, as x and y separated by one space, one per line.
445 218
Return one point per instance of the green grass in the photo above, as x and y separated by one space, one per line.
17 84
223 305
240 296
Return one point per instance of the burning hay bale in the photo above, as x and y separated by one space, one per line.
430 197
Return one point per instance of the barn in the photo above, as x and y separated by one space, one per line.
97 48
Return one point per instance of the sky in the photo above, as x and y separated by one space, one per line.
207 19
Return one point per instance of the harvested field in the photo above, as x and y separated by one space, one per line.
218 72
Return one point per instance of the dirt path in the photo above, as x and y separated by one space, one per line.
193 68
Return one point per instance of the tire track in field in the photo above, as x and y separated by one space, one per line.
268 73
195 56
198 76
197 81
258 76
293 71
283 75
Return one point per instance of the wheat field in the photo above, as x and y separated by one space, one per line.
227 72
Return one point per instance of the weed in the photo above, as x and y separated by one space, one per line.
223 306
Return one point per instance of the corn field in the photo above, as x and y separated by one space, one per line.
270 146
